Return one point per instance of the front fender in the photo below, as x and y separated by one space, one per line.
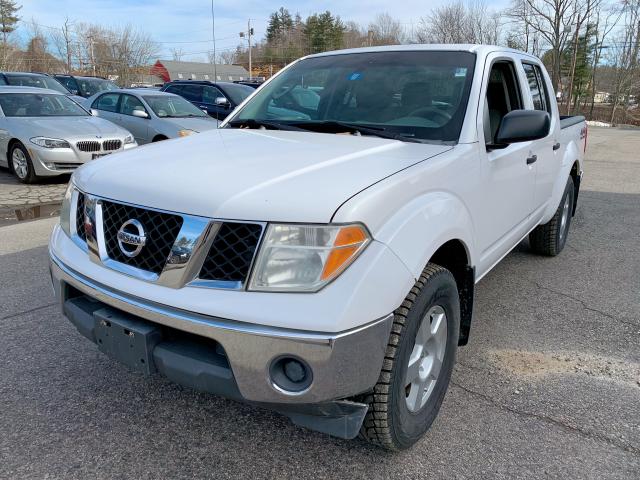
420 227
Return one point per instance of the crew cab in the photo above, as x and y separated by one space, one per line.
319 258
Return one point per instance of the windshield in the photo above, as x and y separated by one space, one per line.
419 95
39 105
238 93
91 86
172 106
36 81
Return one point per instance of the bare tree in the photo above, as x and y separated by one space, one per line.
177 54
460 23
386 30
625 56
63 41
553 20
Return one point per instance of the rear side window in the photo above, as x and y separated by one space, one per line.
107 103
537 87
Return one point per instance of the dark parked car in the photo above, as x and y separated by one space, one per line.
85 86
217 99
29 79
248 83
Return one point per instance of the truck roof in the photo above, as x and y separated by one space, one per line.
455 47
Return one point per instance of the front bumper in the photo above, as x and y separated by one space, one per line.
342 364
56 161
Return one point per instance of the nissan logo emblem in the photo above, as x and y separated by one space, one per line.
131 238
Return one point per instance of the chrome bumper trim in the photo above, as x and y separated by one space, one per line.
343 364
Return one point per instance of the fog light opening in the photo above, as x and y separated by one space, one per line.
290 375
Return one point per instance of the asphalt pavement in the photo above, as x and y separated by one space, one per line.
548 387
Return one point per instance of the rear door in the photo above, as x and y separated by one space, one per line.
139 127
508 178
547 150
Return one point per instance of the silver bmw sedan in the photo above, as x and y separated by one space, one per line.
44 133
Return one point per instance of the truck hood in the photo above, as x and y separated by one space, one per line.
71 127
262 175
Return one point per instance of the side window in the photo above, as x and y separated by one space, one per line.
537 87
129 104
174 89
193 93
108 102
210 93
67 82
503 96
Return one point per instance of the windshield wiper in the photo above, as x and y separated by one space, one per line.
356 128
253 123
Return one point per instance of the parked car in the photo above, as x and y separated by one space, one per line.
333 248
217 99
38 80
44 133
150 115
248 83
85 86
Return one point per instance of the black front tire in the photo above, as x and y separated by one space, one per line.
549 239
389 423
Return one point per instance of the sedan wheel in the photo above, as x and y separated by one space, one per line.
21 164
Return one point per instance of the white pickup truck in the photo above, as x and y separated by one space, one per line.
317 255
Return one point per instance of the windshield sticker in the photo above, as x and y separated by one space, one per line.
461 72
355 76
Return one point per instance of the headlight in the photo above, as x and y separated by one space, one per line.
129 139
304 258
50 142
186 133
65 210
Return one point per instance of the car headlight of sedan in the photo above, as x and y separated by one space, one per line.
47 142
186 133
129 140
304 258
65 210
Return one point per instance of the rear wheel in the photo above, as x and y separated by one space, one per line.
21 164
418 363
550 238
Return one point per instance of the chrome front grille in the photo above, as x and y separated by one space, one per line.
231 254
176 251
80 217
88 146
161 231
108 145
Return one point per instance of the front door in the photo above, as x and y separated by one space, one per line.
508 174
138 126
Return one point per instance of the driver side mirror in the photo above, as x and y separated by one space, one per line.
221 102
140 114
522 126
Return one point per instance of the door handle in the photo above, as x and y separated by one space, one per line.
532 159
556 146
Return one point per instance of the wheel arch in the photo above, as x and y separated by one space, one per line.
454 256
159 137
10 145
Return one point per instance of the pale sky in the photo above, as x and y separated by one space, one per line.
189 21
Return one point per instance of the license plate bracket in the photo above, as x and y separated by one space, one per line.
99 155
127 339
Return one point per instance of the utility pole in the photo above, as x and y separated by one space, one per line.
93 61
249 34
